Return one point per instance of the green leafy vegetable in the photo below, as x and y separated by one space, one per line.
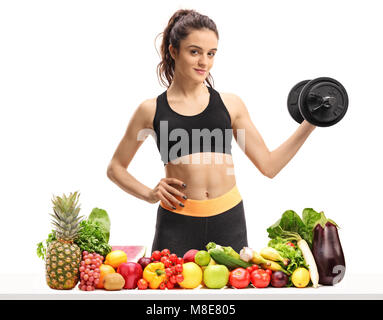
92 238
42 248
102 217
291 227
294 254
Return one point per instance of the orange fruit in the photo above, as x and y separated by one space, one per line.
115 258
104 270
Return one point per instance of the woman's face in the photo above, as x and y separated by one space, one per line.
197 51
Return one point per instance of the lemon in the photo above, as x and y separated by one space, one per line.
115 258
300 277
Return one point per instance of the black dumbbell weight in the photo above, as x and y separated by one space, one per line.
322 101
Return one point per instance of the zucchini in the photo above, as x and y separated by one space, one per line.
220 257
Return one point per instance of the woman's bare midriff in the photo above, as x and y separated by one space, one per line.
207 175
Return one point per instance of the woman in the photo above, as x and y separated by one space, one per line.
199 200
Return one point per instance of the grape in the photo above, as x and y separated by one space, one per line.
90 271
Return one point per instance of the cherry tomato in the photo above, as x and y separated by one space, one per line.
168 263
170 285
269 272
180 260
173 258
255 267
239 278
165 252
156 255
178 268
290 244
173 279
168 272
164 259
162 286
179 278
260 278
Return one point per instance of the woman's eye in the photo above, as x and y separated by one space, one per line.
212 53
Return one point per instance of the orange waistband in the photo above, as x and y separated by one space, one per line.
209 207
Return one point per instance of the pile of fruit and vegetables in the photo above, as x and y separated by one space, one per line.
301 252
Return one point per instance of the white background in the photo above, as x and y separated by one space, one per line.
73 72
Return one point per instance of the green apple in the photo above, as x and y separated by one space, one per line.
216 276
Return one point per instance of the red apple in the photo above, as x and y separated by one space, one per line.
131 272
189 255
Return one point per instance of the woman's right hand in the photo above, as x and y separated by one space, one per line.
165 193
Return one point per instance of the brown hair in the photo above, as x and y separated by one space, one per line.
179 26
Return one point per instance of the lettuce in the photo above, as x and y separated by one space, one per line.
294 254
291 223
101 216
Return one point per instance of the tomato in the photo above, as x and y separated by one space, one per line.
169 285
260 278
156 255
173 258
165 252
178 268
269 272
290 244
239 278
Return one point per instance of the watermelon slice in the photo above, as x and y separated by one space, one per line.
134 253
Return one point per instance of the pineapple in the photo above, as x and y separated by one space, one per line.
63 255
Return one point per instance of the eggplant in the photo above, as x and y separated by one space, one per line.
327 252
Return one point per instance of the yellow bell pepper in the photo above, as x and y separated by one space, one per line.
154 274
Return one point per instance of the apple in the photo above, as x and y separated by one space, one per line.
216 276
131 272
189 255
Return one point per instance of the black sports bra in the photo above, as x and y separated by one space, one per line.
179 135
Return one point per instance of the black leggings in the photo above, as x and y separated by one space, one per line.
180 233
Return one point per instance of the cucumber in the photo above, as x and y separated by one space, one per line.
229 261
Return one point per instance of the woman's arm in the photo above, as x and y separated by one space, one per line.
131 141
269 163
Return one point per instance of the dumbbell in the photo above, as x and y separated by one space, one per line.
322 101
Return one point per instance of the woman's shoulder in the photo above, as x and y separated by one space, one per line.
146 111
233 104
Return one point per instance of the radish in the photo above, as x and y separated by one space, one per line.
310 261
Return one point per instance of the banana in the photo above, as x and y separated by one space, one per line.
272 254
258 259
